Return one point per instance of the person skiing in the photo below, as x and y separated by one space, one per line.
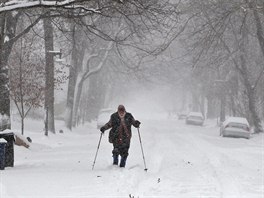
120 134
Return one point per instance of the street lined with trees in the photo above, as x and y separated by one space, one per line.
210 53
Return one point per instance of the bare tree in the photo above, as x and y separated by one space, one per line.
8 36
8 25
27 77
77 56
141 18
222 28
87 73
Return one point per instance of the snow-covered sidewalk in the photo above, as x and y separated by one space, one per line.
183 161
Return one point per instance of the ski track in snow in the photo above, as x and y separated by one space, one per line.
183 162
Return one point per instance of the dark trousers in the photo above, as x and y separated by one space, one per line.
121 149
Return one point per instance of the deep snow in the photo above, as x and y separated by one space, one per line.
183 161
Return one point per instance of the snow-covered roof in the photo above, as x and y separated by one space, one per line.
196 114
240 120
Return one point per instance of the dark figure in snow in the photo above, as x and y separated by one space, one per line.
120 134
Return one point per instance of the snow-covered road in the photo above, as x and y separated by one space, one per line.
183 161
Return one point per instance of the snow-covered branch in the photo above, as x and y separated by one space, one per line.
26 4
100 65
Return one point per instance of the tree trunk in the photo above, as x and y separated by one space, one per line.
86 76
202 105
8 25
251 93
210 107
251 90
77 101
71 90
262 102
233 106
95 98
21 94
222 108
22 125
183 100
77 57
195 102
49 69
253 110
4 81
259 27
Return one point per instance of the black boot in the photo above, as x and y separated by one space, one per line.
123 161
115 159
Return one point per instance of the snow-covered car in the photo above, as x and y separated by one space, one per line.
235 127
195 118
104 117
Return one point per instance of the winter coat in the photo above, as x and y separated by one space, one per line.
119 134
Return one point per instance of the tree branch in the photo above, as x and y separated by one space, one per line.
29 4
25 31
100 65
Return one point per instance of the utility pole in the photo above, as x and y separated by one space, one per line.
49 97
49 77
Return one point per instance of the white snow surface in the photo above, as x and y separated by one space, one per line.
198 114
183 161
236 120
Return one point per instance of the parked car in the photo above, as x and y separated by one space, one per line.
182 115
104 117
235 127
195 118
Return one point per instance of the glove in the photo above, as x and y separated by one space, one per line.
137 123
102 129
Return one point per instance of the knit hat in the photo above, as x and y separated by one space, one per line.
121 108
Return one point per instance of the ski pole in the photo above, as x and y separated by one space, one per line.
97 150
142 150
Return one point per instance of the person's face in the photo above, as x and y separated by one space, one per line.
121 111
